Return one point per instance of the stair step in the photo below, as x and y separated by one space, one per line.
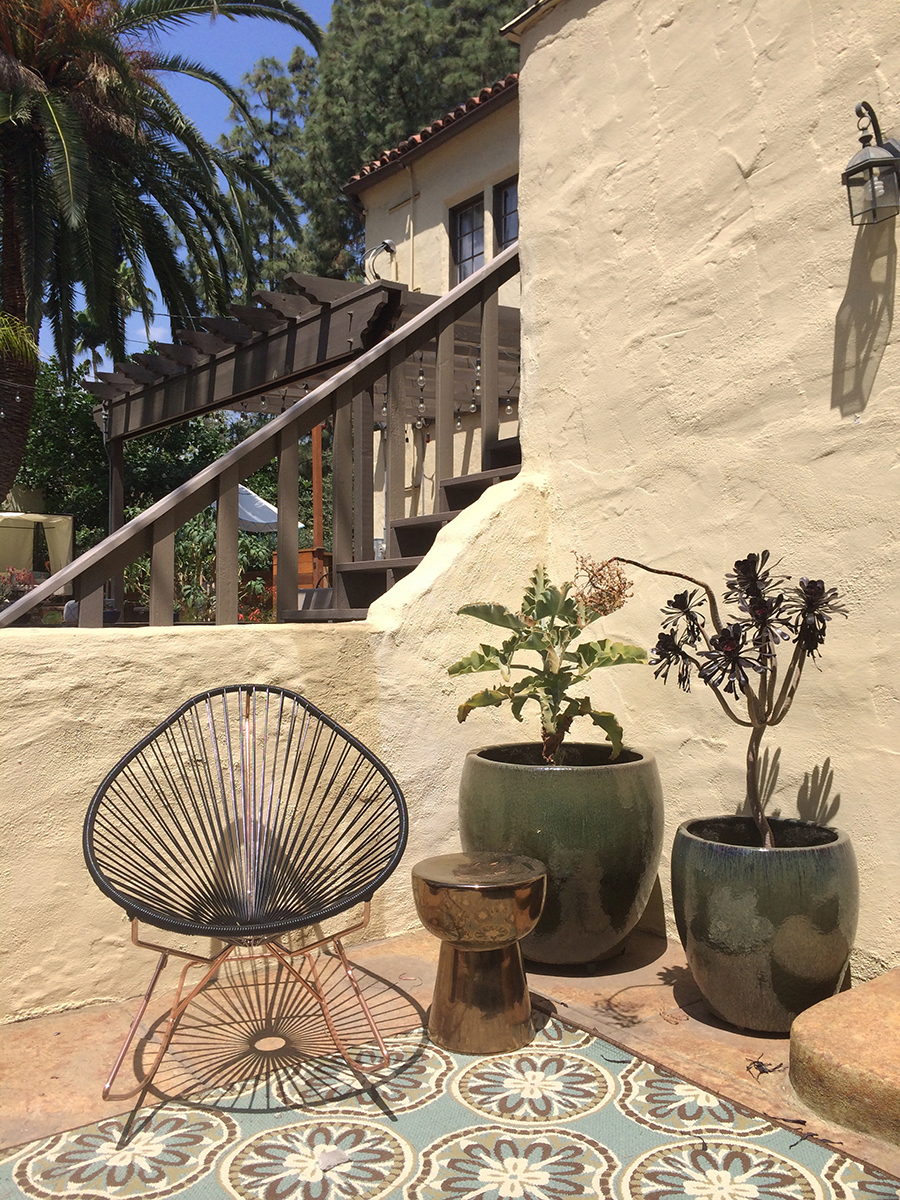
363 582
507 452
845 1057
414 536
464 490
309 616
372 566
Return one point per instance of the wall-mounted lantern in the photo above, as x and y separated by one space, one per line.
872 177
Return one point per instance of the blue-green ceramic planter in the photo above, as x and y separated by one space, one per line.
597 826
767 933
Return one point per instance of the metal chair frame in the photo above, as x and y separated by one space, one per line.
252 885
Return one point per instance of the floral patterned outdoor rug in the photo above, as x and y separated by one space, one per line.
570 1116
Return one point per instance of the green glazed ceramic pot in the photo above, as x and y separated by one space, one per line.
598 826
767 933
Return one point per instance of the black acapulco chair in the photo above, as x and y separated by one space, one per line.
248 814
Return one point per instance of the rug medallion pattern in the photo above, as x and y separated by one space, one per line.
570 1116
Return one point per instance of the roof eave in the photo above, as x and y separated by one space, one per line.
448 131
514 29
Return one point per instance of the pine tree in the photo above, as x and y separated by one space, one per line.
386 69
277 99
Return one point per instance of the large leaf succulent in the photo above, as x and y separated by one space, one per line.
550 620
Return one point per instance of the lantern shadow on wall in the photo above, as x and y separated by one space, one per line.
863 323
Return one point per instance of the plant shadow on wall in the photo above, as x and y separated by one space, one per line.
863 323
815 801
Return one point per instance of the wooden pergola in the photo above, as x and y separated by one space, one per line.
266 358
430 363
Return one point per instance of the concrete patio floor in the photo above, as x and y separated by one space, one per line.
52 1068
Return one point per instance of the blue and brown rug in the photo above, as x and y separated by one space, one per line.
570 1116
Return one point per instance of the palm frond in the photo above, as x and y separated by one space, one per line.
176 64
161 14
66 154
17 340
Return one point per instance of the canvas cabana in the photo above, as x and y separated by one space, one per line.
17 540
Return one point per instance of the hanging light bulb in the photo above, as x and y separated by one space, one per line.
509 406
458 419
473 407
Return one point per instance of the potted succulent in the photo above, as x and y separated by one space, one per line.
591 812
766 908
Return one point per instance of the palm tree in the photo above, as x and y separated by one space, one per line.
100 169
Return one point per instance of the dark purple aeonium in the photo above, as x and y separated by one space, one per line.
739 656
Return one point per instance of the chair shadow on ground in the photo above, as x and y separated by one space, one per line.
255 1041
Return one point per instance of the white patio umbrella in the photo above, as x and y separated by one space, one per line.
256 515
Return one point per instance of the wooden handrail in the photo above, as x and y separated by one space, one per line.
153 530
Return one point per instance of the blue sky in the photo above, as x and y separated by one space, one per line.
231 48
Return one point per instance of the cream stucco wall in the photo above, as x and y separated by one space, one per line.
709 364
695 301
412 207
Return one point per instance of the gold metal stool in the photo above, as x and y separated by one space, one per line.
480 905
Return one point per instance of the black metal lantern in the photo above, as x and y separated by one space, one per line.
872 177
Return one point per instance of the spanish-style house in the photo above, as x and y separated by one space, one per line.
708 368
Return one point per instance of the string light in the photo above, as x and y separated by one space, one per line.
421 383
476 387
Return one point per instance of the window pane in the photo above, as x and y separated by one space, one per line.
468 238
506 213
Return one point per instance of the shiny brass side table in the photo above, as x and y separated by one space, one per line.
480 905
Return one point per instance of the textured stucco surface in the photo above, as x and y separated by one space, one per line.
694 302
710 366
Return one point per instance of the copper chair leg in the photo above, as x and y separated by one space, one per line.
178 1007
316 991
273 949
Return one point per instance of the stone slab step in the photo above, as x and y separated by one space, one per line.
845 1057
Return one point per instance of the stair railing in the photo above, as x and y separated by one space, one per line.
347 397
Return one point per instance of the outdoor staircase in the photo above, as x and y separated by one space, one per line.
359 584
446 356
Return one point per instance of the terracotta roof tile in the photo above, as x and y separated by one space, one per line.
411 143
